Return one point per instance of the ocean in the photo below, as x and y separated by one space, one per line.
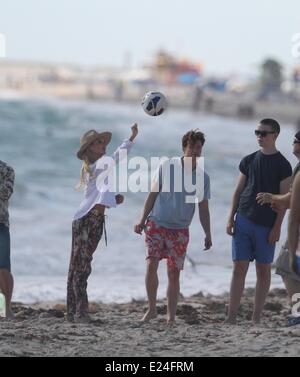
40 138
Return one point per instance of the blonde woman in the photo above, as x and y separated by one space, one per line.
89 220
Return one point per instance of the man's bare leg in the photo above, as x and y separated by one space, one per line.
173 294
240 270
7 286
151 287
263 272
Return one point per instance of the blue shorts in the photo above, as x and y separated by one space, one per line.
250 242
4 248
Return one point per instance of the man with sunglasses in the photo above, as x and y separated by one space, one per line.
255 228
282 201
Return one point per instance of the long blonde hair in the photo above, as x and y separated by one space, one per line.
85 170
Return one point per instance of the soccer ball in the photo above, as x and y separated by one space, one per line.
154 103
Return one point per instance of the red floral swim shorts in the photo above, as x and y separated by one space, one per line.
167 243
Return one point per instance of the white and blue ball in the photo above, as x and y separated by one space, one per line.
154 103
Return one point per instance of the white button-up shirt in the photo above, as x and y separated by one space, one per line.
94 194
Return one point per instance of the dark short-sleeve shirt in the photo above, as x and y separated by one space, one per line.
264 174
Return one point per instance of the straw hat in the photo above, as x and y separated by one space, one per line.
89 137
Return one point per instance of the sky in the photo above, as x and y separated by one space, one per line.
225 36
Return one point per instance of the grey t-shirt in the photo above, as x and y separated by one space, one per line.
175 208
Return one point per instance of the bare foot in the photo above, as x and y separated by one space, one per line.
70 318
170 322
10 314
83 319
230 321
148 316
256 321
256 318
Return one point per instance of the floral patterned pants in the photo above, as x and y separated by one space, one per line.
86 234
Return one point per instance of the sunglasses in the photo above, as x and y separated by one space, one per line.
296 141
263 133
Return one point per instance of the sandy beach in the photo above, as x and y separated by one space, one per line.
41 330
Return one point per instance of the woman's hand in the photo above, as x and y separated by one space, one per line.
264 198
134 132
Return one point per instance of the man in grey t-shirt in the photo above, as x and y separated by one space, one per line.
167 215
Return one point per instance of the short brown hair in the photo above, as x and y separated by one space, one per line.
272 123
192 137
